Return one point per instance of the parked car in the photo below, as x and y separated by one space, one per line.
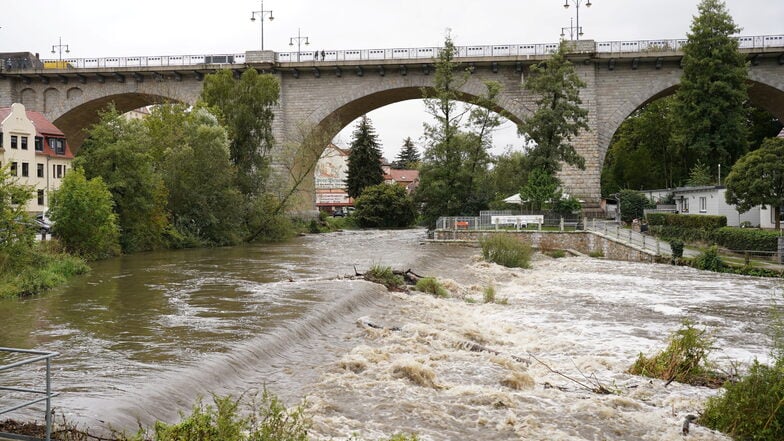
43 222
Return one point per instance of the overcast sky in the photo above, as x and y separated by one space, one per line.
96 28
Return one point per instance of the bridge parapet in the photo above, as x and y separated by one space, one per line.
535 51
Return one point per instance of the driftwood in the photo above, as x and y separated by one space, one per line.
409 276
375 326
595 387
475 347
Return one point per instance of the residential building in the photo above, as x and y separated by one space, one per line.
409 179
330 175
709 200
36 151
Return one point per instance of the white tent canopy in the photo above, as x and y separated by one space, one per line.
515 199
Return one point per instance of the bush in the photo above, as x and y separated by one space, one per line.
596 253
385 276
556 254
687 220
385 206
676 245
268 420
632 204
684 360
489 294
506 250
746 239
709 260
432 286
751 408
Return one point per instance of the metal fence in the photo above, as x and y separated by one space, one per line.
39 395
510 220
415 53
630 237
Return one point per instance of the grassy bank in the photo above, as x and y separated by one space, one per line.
37 269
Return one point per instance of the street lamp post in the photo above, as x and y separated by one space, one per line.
299 39
577 6
572 30
60 47
262 15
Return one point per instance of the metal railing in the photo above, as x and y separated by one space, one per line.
424 53
493 220
630 237
36 356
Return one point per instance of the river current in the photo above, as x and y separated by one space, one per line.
142 336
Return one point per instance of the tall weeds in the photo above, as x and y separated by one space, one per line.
506 250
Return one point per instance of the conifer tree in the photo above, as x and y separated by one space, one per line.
709 103
364 160
408 157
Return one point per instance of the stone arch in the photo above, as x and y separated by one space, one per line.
29 98
346 108
75 121
73 93
51 99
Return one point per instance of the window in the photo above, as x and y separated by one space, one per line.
58 145
40 197
25 169
24 143
1 139
59 171
40 170
703 204
13 169
685 205
39 144
13 141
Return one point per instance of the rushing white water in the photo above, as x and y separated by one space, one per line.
143 336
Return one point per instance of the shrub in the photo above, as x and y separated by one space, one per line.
556 254
746 239
385 206
489 294
676 245
596 253
432 286
313 227
268 419
687 220
632 205
506 250
684 360
709 260
385 276
751 408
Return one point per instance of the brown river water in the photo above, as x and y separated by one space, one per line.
142 336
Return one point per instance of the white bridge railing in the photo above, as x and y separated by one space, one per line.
425 53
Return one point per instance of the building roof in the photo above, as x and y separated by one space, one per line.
403 176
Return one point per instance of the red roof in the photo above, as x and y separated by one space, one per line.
43 128
402 176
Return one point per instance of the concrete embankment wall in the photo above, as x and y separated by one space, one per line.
585 242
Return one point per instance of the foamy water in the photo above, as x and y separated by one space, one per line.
585 318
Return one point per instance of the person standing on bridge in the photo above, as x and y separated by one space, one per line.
323 55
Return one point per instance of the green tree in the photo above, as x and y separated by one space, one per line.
204 203
364 159
632 205
454 178
117 151
642 153
709 108
385 206
558 116
509 174
245 107
84 218
758 179
700 175
542 188
17 229
408 158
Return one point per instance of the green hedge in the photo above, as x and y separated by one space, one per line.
746 239
669 232
687 220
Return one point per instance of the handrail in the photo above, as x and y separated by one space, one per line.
424 53
47 393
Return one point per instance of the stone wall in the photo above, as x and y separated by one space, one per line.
582 241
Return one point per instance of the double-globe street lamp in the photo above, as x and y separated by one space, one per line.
299 39
573 30
262 15
577 4
60 46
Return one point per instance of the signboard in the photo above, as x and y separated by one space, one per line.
332 199
519 220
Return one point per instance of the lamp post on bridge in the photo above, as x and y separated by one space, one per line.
577 6
572 30
262 15
299 39
60 47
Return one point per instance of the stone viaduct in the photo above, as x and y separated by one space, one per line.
620 76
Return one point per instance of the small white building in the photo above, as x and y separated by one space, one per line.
709 200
